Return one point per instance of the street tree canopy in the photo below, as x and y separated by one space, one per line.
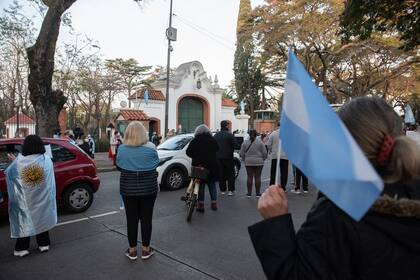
362 18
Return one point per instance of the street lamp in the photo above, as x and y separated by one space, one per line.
171 35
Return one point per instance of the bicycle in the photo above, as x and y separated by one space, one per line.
191 196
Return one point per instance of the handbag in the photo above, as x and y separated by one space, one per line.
199 172
247 149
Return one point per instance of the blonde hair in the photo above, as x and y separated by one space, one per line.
135 134
369 120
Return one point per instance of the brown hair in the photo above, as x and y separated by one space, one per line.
370 120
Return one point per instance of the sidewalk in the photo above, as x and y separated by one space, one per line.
103 162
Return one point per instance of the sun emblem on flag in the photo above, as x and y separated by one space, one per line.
32 175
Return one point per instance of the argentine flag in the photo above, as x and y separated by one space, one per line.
318 143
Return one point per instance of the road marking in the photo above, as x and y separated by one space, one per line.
266 180
86 218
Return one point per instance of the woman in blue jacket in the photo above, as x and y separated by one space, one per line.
137 159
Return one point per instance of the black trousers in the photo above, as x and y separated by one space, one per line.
284 172
43 239
226 173
139 208
301 177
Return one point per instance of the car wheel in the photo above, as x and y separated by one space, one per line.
78 198
175 179
237 167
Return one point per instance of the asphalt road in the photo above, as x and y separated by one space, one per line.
215 245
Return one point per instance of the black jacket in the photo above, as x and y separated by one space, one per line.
385 244
226 142
202 150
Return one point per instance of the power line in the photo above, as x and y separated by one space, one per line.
208 35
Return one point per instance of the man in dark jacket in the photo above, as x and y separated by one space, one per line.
226 142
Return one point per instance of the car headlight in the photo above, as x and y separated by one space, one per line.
163 160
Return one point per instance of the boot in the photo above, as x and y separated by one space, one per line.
214 206
200 207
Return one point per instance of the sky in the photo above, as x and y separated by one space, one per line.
206 31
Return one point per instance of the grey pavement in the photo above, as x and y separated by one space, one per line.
215 245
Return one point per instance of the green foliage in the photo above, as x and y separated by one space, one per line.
362 18
102 145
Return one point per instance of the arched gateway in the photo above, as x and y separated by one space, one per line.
192 111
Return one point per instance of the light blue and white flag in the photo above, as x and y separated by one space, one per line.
146 97
409 116
319 144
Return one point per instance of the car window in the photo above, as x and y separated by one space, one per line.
8 149
61 154
175 143
239 141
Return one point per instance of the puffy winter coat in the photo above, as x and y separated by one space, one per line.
385 244
202 150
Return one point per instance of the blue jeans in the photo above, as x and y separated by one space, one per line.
212 191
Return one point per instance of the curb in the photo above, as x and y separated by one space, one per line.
105 169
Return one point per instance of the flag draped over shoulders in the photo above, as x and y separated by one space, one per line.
31 190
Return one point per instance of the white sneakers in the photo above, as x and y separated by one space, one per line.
24 253
44 249
295 191
21 253
222 193
230 193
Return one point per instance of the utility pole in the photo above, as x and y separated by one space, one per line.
171 35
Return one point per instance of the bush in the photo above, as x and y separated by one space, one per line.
102 145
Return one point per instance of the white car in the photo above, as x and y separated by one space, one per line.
175 166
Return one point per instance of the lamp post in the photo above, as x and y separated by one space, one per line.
171 35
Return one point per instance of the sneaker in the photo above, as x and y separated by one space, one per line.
258 195
21 254
44 249
1 199
214 206
230 193
295 191
222 193
248 195
147 254
131 255
305 191
200 207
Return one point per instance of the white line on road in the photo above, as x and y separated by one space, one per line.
87 218
266 180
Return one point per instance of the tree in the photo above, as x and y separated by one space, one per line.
46 101
129 72
15 35
249 80
363 18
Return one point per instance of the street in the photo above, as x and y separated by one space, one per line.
91 245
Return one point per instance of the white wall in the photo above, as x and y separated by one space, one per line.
12 129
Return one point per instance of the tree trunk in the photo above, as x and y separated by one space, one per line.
47 102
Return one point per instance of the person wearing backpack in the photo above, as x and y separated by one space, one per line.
253 153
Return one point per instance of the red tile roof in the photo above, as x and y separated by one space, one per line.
229 103
153 94
23 119
133 115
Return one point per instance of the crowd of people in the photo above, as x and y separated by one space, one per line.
385 244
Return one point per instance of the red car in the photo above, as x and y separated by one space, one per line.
75 173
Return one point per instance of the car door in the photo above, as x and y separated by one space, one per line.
64 170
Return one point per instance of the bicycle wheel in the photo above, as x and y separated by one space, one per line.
191 206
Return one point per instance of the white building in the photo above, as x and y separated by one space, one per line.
193 100
26 126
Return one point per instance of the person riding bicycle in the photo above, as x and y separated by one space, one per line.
202 150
